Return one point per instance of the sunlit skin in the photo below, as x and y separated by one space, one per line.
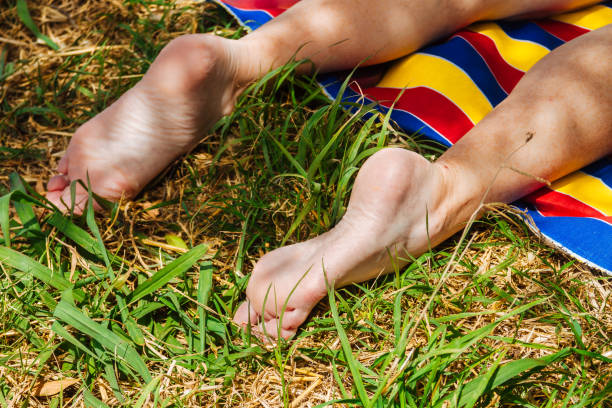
565 102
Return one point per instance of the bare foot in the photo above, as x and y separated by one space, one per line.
397 196
192 84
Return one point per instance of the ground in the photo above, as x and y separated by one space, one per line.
492 317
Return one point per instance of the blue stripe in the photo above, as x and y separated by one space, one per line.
528 31
253 19
585 237
601 169
412 124
407 121
460 53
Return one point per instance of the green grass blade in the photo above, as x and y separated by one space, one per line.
28 265
205 283
241 244
76 234
5 219
24 209
144 395
65 334
505 373
458 345
298 220
111 377
361 136
172 302
175 268
133 330
316 163
3 402
93 227
338 379
484 380
91 401
289 157
346 348
109 340
175 241
26 19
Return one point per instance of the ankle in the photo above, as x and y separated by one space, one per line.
253 57
461 195
197 64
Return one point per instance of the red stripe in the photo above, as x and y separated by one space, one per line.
551 203
561 30
274 7
507 75
426 104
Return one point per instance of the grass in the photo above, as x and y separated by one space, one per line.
133 309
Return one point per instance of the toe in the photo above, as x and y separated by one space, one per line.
245 315
62 165
62 199
291 319
57 183
269 326
288 322
80 200
272 328
54 196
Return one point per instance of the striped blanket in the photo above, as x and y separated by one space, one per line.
443 90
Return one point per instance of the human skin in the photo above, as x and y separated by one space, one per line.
401 203
565 102
196 79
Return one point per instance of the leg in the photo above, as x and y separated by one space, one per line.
196 79
565 101
331 32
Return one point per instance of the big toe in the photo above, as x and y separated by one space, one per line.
58 183
274 329
63 199
246 315
286 324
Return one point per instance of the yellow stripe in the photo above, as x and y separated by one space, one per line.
442 76
518 53
588 189
591 18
